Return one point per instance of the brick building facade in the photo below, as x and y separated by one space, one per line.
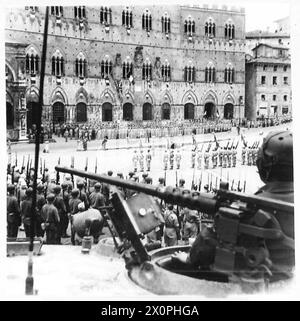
126 63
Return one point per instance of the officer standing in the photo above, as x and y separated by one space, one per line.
51 218
178 158
206 159
171 158
13 212
135 161
244 151
199 159
165 160
234 153
62 212
171 230
141 161
221 153
26 207
191 222
148 160
40 202
193 159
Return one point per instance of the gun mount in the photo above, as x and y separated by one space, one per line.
245 231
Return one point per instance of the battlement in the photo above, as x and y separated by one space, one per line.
217 7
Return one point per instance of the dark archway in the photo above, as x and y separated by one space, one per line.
189 111
32 114
9 115
128 112
81 113
209 110
147 111
107 112
165 111
58 113
228 111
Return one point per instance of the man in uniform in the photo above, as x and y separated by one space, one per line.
66 198
144 175
225 157
199 159
171 230
181 183
178 159
61 209
249 156
51 218
141 160
234 152
26 207
244 151
40 202
165 160
171 158
135 161
148 160
96 198
221 153
229 157
82 194
206 159
215 158
161 182
191 222
193 159
13 212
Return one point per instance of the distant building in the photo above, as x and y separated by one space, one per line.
120 63
268 82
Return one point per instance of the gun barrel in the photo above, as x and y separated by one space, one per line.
169 194
201 202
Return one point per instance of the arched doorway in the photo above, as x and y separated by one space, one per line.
81 113
58 113
128 112
165 111
189 111
228 111
9 115
107 112
147 111
209 110
32 113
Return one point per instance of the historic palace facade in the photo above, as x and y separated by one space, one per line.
125 63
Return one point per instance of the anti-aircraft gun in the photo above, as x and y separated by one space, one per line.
247 236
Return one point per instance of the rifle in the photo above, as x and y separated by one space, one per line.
23 164
231 212
192 186
200 182
244 189
16 160
72 166
210 185
165 182
96 166
239 188
232 183
27 170
86 164
41 166
57 173
201 148
176 179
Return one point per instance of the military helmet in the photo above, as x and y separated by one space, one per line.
97 186
29 191
57 189
120 175
40 187
75 192
80 184
110 173
10 187
64 185
130 174
145 175
181 181
50 197
148 180
275 156
161 180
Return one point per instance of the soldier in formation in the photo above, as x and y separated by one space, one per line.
148 160
178 159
